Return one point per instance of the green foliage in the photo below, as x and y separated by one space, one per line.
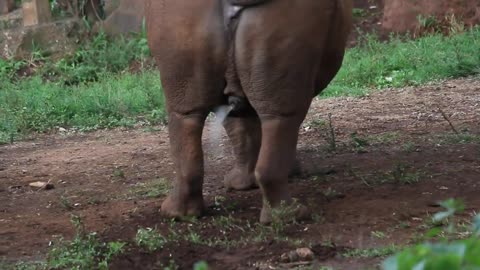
202 265
85 251
371 252
35 106
398 63
98 57
87 90
150 238
446 254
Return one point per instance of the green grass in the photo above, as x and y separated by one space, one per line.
150 239
399 63
371 252
443 251
93 88
33 105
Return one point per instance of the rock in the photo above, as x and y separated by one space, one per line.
402 15
42 185
300 254
53 39
123 16
11 20
305 254
36 12
6 6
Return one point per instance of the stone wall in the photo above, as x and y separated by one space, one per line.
6 6
123 16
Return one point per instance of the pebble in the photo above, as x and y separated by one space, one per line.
42 185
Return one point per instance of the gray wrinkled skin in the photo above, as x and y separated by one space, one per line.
281 55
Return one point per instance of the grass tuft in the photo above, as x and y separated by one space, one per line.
398 63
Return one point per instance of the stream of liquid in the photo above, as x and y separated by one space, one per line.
215 130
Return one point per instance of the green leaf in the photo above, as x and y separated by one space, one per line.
476 225
202 265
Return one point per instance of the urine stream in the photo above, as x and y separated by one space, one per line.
215 131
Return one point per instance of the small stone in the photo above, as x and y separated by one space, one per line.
291 256
42 185
305 254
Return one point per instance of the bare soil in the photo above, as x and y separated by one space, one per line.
402 159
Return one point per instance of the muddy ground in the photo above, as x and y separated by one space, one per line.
396 156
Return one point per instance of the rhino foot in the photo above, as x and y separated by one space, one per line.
175 208
240 179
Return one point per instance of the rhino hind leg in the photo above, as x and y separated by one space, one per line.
244 131
186 198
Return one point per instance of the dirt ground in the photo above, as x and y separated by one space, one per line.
378 187
395 157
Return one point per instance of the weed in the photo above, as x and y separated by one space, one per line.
371 252
358 143
202 265
172 265
359 13
66 203
221 203
23 266
118 173
398 63
317 218
150 238
385 138
447 254
153 189
331 135
401 175
379 234
461 138
331 193
283 215
317 123
33 105
85 251
193 237
409 147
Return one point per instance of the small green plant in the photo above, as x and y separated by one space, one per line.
153 189
119 173
66 203
317 123
331 193
447 254
150 238
85 251
193 237
461 138
282 216
202 265
379 234
359 143
399 62
359 12
409 147
371 252
400 174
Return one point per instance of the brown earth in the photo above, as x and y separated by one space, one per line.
379 187
402 15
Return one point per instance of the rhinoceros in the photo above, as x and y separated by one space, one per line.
267 60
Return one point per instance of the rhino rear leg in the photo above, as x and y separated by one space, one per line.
186 198
244 132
